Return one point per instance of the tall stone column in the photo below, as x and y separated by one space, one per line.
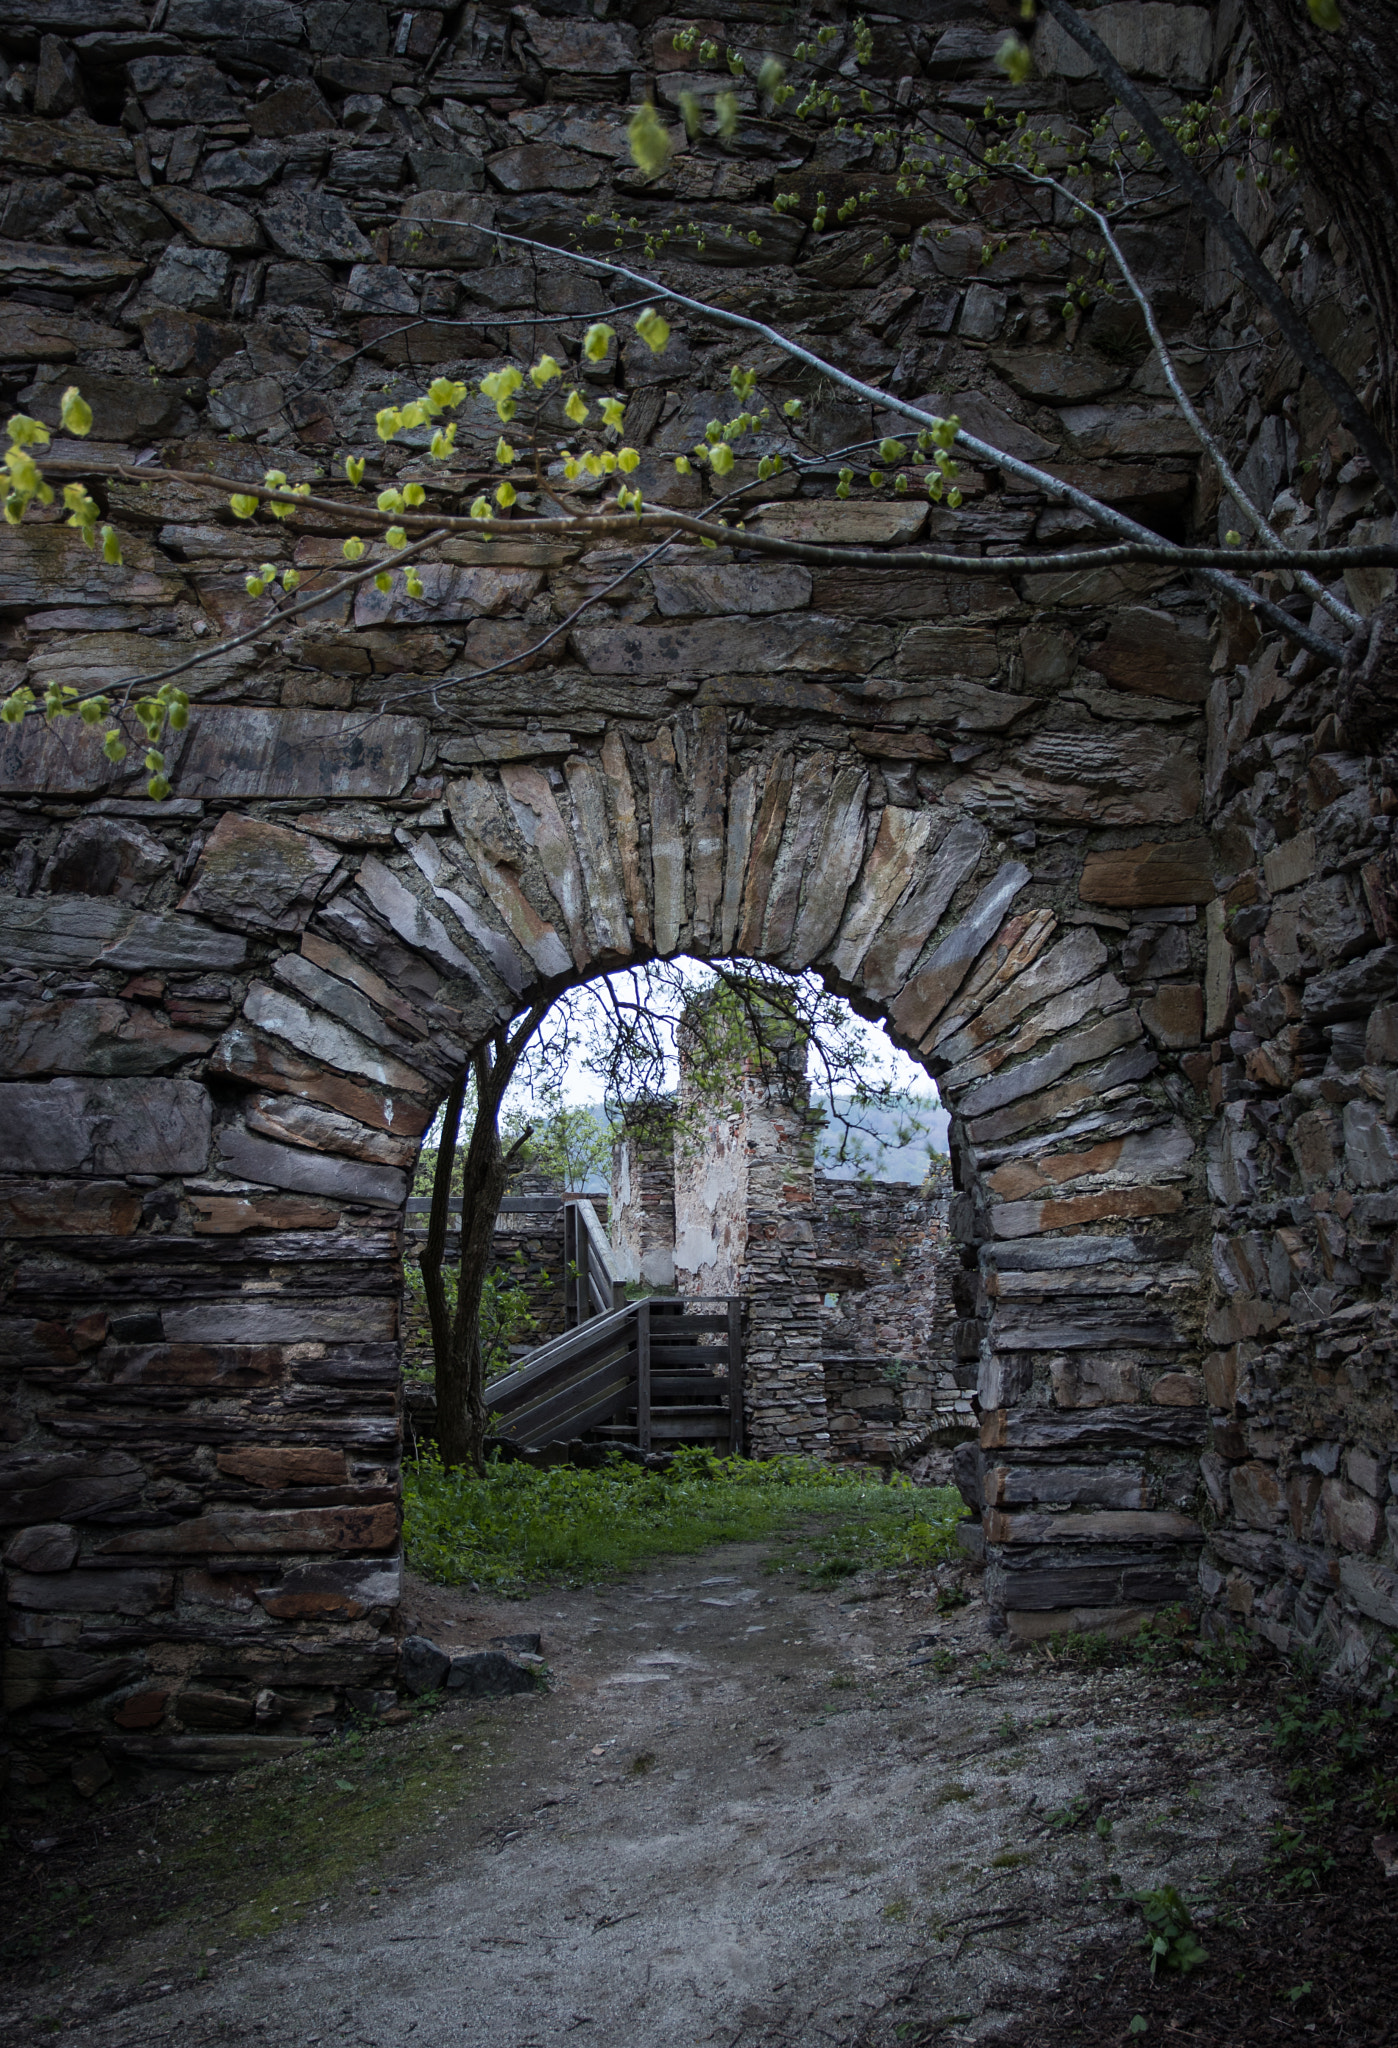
643 1194
744 1194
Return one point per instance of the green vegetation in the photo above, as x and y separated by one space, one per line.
1169 1934
519 1527
507 1317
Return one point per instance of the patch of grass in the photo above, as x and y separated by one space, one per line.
1010 1859
518 1527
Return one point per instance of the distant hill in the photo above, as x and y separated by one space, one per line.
883 1148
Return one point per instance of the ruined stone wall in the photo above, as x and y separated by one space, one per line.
974 805
641 1219
886 1267
1301 1067
526 1253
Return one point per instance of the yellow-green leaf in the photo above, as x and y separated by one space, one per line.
75 412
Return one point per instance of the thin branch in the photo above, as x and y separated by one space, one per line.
1297 335
1338 611
1116 522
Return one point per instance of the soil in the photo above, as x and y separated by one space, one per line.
747 1811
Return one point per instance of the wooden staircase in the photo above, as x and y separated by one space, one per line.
652 1374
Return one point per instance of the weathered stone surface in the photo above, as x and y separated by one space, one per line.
334 1592
1151 653
686 591
933 986
212 223
1076 959
231 1215
1148 39
317 227
65 1486
88 932
805 645
450 594
45 1547
908 926
1056 376
34 266
540 167
490 1675
324 1130
1097 777
264 1062
32 335
1071 1212
1174 1015
410 917
247 1157
94 1209
1132 1065
191 281
866 523
421 1665
258 876
293 109
105 857
325 1040
540 825
259 753
97 1592
1371 1146
1178 871
104 1127
46 566
296 1465
254 1530
90 1037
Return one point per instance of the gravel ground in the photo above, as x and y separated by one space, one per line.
746 1812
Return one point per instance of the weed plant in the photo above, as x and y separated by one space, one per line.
519 1527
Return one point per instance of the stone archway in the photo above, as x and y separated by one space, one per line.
208 1154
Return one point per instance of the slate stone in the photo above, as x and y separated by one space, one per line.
84 931
182 91
134 408
46 1547
315 226
606 49
1153 654
104 1127
326 1041
35 266
57 83
933 987
213 223
379 288
490 1675
105 857
67 1486
234 20
99 152
183 341
80 1036
421 1665
335 1592
1058 376
293 109
255 1530
442 230
323 1130
254 752
447 170
541 167
102 1209
806 644
31 335
287 1166
348 28
191 280
257 876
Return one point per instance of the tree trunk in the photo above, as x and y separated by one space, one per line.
460 1362
434 1250
1338 95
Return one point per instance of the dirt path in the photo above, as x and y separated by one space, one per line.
747 1813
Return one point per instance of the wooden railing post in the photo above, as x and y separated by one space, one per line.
570 1293
735 1375
581 1246
643 1376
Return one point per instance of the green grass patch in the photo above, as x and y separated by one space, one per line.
518 1527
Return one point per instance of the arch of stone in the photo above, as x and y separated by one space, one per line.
239 1029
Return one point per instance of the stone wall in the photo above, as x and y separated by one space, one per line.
1023 820
641 1216
886 1267
1300 1073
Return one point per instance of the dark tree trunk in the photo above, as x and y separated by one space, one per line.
434 1250
460 1362
1337 91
